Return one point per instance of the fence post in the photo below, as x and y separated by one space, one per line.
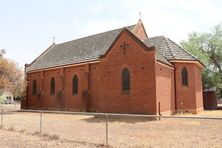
40 130
107 130
2 117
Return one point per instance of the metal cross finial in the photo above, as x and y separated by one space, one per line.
2 52
140 15
53 39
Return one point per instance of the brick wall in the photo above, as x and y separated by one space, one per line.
75 102
103 82
151 82
34 100
94 87
198 88
141 64
189 98
165 88
63 83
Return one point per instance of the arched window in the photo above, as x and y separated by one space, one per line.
125 80
52 86
184 75
34 87
75 85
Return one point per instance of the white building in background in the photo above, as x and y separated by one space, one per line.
7 97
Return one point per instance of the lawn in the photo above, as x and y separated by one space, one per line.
65 130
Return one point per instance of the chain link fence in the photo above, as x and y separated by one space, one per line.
115 130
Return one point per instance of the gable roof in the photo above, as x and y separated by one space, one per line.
76 51
93 47
80 50
169 49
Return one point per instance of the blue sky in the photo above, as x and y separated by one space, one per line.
27 26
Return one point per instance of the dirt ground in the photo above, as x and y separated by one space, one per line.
15 139
21 129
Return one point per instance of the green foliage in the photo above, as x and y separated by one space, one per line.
207 47
211 79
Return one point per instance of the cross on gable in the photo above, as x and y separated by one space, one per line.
124 46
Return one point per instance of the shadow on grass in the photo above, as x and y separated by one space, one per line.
87 143
123 119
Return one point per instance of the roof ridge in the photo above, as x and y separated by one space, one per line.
182 48
155 36
96 34
168 46
162 55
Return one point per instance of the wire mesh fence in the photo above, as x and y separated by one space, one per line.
116 130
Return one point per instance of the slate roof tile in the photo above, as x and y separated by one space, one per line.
169 49
76 51
92 47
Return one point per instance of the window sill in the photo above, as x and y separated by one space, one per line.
185 86
126 92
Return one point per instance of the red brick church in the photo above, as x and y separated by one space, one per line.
119 71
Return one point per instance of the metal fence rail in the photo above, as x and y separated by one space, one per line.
118 114
106 117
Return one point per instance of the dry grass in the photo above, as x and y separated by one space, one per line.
11 128
212 113
10 106
10 139
50 137
61 130
22 130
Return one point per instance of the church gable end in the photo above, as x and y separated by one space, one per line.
124 46
128 52
140 31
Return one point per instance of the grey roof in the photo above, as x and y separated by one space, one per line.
169 49
161 58
76 51
92 47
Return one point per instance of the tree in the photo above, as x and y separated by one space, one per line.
11 77
207 46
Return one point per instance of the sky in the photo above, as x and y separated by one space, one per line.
27 27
